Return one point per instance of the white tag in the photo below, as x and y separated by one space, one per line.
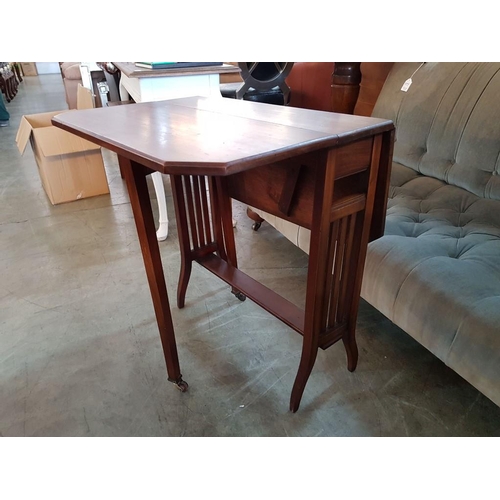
406 85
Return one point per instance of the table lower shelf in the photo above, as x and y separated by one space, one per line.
269 300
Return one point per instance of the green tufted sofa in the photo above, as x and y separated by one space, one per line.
436 271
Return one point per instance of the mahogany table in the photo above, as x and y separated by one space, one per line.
327 172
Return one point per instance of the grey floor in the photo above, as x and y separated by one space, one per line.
80 353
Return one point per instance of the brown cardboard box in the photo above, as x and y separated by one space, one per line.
84 98
231 77
29 68
70 168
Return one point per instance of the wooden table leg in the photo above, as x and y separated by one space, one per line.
339 238
226 221
135 177
317 272
378 164
176 182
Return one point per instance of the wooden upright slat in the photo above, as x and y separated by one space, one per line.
189 202
206 213
197 195
332 252
347 271
216 218
337 275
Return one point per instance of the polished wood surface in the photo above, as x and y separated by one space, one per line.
321 170
310 84
210 136
373 76
132 71
346 78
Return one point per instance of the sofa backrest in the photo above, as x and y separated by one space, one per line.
447 122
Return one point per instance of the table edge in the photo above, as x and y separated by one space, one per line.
228 168
155 73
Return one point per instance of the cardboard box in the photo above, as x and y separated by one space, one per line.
231 77
70 167
84 98
29 68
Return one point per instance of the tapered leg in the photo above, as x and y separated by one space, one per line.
135 177
122 175
317 270
183 235
351 349
307 359
362 235
226 220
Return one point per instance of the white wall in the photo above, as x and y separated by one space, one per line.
44 68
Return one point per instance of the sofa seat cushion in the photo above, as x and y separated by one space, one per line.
436 273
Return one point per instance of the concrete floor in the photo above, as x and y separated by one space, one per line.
80 353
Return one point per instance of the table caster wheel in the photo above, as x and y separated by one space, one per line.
240 296
256 226
182 385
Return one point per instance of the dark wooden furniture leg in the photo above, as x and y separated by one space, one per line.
339 237
183 235
346 78
317 270
17 70
257 219
226 220
122 175
12 85
378 169
135 177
